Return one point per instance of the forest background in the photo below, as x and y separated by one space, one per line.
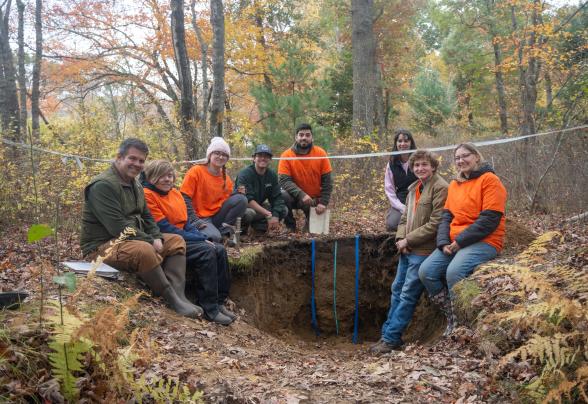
79 76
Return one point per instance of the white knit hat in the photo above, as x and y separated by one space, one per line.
218 144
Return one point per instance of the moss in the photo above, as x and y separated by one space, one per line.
466 291
246 260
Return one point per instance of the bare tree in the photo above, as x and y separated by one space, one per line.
36 82
365 78
22 78
217 21
193 146
9 108
203 116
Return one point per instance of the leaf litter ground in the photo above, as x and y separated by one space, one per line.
246 363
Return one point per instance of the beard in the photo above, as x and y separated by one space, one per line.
306 147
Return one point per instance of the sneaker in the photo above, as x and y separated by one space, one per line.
221 319
383 347
223 309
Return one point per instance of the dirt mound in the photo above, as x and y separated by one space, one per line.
518 237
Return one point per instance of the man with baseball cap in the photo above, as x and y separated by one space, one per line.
265 206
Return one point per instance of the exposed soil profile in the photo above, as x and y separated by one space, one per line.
276 291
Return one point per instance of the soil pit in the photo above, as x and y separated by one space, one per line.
274 288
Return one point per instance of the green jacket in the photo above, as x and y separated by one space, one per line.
260 188
109 207
419 226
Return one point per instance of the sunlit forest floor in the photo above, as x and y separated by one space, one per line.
522 335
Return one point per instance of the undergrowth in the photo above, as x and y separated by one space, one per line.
539 325
88 355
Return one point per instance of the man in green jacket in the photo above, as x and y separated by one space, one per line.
116 224
266 207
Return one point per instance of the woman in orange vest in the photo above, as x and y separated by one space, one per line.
471 231
206 261
209 190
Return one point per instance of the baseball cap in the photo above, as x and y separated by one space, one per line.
263 148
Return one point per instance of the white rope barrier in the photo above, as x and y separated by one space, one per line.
483 143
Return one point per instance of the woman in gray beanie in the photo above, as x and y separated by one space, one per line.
208 189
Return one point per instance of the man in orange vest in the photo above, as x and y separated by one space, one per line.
306 182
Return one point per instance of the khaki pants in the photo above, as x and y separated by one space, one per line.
139 256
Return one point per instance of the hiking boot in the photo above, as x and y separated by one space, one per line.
223 309
383 347
160 285
221 319
444 302
174 268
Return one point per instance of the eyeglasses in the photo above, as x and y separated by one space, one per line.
220 154
462 157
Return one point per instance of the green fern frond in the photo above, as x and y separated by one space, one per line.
66 359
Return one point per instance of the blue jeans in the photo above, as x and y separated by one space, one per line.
439 268
406 291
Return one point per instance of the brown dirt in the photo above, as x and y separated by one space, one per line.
276 295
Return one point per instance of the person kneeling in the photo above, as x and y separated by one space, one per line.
266 206
415 240
206 260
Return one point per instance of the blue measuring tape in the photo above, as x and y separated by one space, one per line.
313 323
356 317
335 289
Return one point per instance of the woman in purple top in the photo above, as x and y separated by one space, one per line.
398 177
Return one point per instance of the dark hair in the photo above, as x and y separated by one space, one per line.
422 154
303 126
397 133
138 144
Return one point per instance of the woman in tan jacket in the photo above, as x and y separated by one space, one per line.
415 240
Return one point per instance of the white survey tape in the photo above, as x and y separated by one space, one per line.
482 143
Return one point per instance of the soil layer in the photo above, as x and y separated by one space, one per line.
276 291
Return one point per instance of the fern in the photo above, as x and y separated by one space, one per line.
65 359
67 350
163 390
538 247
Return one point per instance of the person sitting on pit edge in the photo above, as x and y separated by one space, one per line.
415 240
305 182
113 202
208 188
207 262
266 206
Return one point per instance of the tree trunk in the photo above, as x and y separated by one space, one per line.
204 67
22 74
364 67
114 111
9 108
500 91
36 83
217 20
191 140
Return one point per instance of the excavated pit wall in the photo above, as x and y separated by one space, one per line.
275 290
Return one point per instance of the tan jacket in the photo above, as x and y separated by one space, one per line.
419 226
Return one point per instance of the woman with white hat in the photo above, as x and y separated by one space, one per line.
208 189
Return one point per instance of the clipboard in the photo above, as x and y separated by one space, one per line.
319 224
83 267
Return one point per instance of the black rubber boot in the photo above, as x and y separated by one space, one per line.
223 309
443 300
221 319
159 284
174 268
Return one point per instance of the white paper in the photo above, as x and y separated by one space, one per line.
319 224
83 267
